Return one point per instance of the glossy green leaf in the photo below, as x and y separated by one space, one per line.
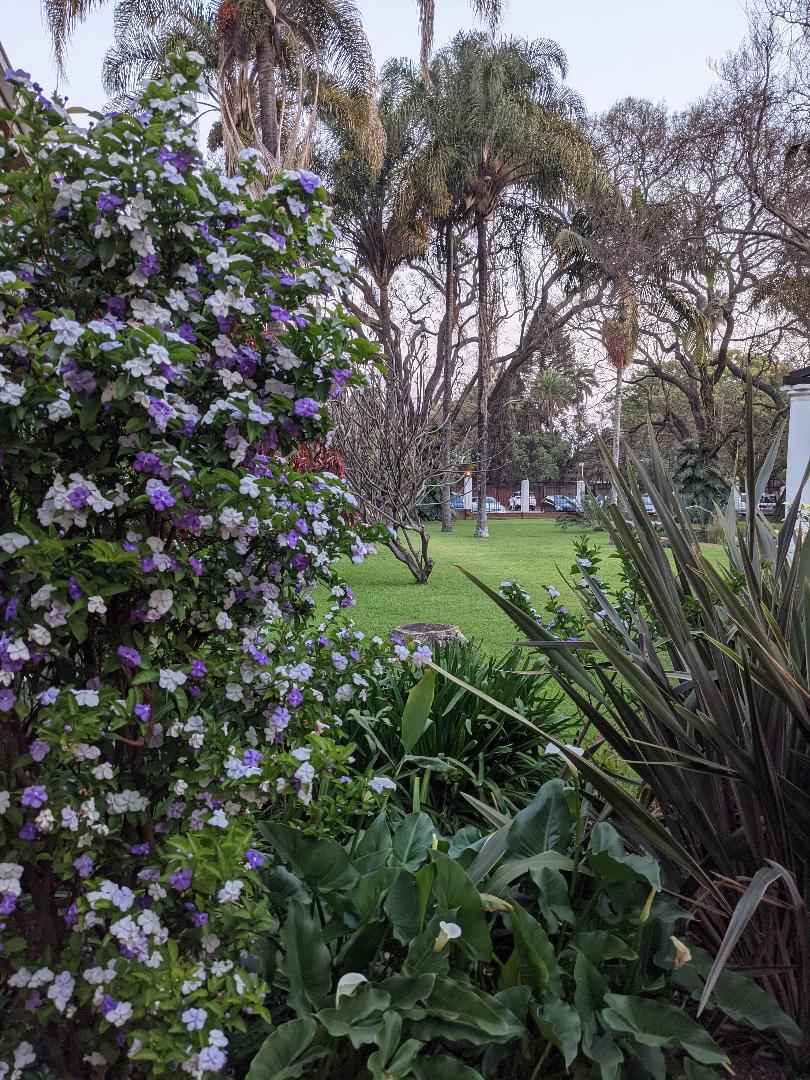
286 1053
306 967
654 1022
416 714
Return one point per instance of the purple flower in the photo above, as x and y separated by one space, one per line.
71 915
7 699
28 831
147 462
79 498
181 880
305 407
295 698
198 669
143 712
161 498
83 866
252 757
34 796
108 202
74 590
8 902
199 918
107 1005
38 749
254 859
140 849
128 657
308 181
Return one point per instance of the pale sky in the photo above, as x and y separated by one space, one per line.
657 49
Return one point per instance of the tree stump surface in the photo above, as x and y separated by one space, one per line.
429 633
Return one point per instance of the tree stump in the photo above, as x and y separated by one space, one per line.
429 633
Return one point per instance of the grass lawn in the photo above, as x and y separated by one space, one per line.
536 554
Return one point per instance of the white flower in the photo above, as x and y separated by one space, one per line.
88 698
59 409
223 621
127 801
219 819
194 1019
96 605
348 984
61 990
11 542
10 874
17 650
5 803
160 600
219 260
120 1014
67 331
230 892
381 784
24 1055
171 680
448 931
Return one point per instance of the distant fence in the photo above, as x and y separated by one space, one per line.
504 492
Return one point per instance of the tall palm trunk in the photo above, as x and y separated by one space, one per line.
268 105
484 360
447 374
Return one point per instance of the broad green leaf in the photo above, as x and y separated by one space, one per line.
453 889
306 966
454 1002
285 1054
359 1017
654 1022
412 840
401 905
405 992
536 956
422 956
370 891
443 1067
599 946
589 992
552 896
387 1039
544 825
559 1023
516 868
416 714
611 863
737 997
376 839
322 865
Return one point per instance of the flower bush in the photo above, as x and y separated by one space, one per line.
168 340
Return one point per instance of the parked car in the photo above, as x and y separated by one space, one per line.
492 505
457 502
766 506
560 504
515 501
648 505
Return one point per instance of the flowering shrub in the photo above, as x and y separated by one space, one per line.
167 341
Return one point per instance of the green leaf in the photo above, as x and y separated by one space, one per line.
358 1017
401 905
416 714
322 864
599 946
516 868
453 889
285 1054
589 992
306 966
654 1022
444 1067
552 896
611 863
456 1003
536 956
544 825
412 840
559 1023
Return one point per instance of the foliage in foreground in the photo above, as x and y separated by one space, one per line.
165 341
539 950
706 676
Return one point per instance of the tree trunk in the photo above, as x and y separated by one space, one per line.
481 527
617 428
447 387
268 106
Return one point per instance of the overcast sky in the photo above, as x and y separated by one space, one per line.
658 49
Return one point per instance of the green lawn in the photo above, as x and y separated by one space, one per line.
537 554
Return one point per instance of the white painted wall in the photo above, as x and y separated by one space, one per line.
798 449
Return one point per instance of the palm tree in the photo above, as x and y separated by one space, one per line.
488 10
271 61
620 337
515 127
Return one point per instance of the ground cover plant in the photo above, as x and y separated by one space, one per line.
166 339
543 949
